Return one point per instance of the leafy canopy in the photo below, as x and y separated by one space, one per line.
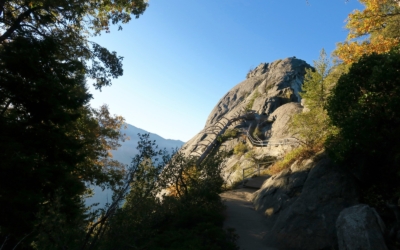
378 24
312 126
365 107
70 24
52 143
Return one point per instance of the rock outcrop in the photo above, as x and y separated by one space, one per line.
267 87
360 227
302 204
267 99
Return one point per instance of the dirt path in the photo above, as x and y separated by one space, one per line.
241 216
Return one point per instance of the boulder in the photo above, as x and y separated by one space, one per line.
302 204
360 227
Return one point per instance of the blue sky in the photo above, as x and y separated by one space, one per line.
182 56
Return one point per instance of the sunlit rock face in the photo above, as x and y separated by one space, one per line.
273 83
268 97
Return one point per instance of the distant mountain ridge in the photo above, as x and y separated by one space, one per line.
126 152
128 149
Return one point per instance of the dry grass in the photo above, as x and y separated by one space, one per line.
299 154
240 149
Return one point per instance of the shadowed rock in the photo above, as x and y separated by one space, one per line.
302 204
360 227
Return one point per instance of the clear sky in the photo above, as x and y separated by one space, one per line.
182 56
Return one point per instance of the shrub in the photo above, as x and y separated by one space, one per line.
300 153
249 105
257 132
268 87
240 149
365 107
229 134
191 217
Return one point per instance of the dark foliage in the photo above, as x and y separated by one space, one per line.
38 147
191 218
51 141
365 106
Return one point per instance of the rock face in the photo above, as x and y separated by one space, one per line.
271 84
302 204
360 227
267 87
275 131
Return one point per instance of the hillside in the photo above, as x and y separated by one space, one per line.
128 148
125 153
260 107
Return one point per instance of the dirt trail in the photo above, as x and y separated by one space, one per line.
240 215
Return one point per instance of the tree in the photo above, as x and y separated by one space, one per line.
70 24
190 218
316 87
52 143
312 126
378 23
365 107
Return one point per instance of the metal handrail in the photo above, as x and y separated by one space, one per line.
257 170
254 141
284 141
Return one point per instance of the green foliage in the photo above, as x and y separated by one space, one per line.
268 87
313 126
257 132
190 218
250 155
70 25
316 87
365 107
229 134
249 105
52 143
240 149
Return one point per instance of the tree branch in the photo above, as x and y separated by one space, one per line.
21 240
17 23
4 242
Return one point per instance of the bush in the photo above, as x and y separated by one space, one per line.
249 105
365 107
240 149
300 153
257 132
229 134
190 217
313 127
